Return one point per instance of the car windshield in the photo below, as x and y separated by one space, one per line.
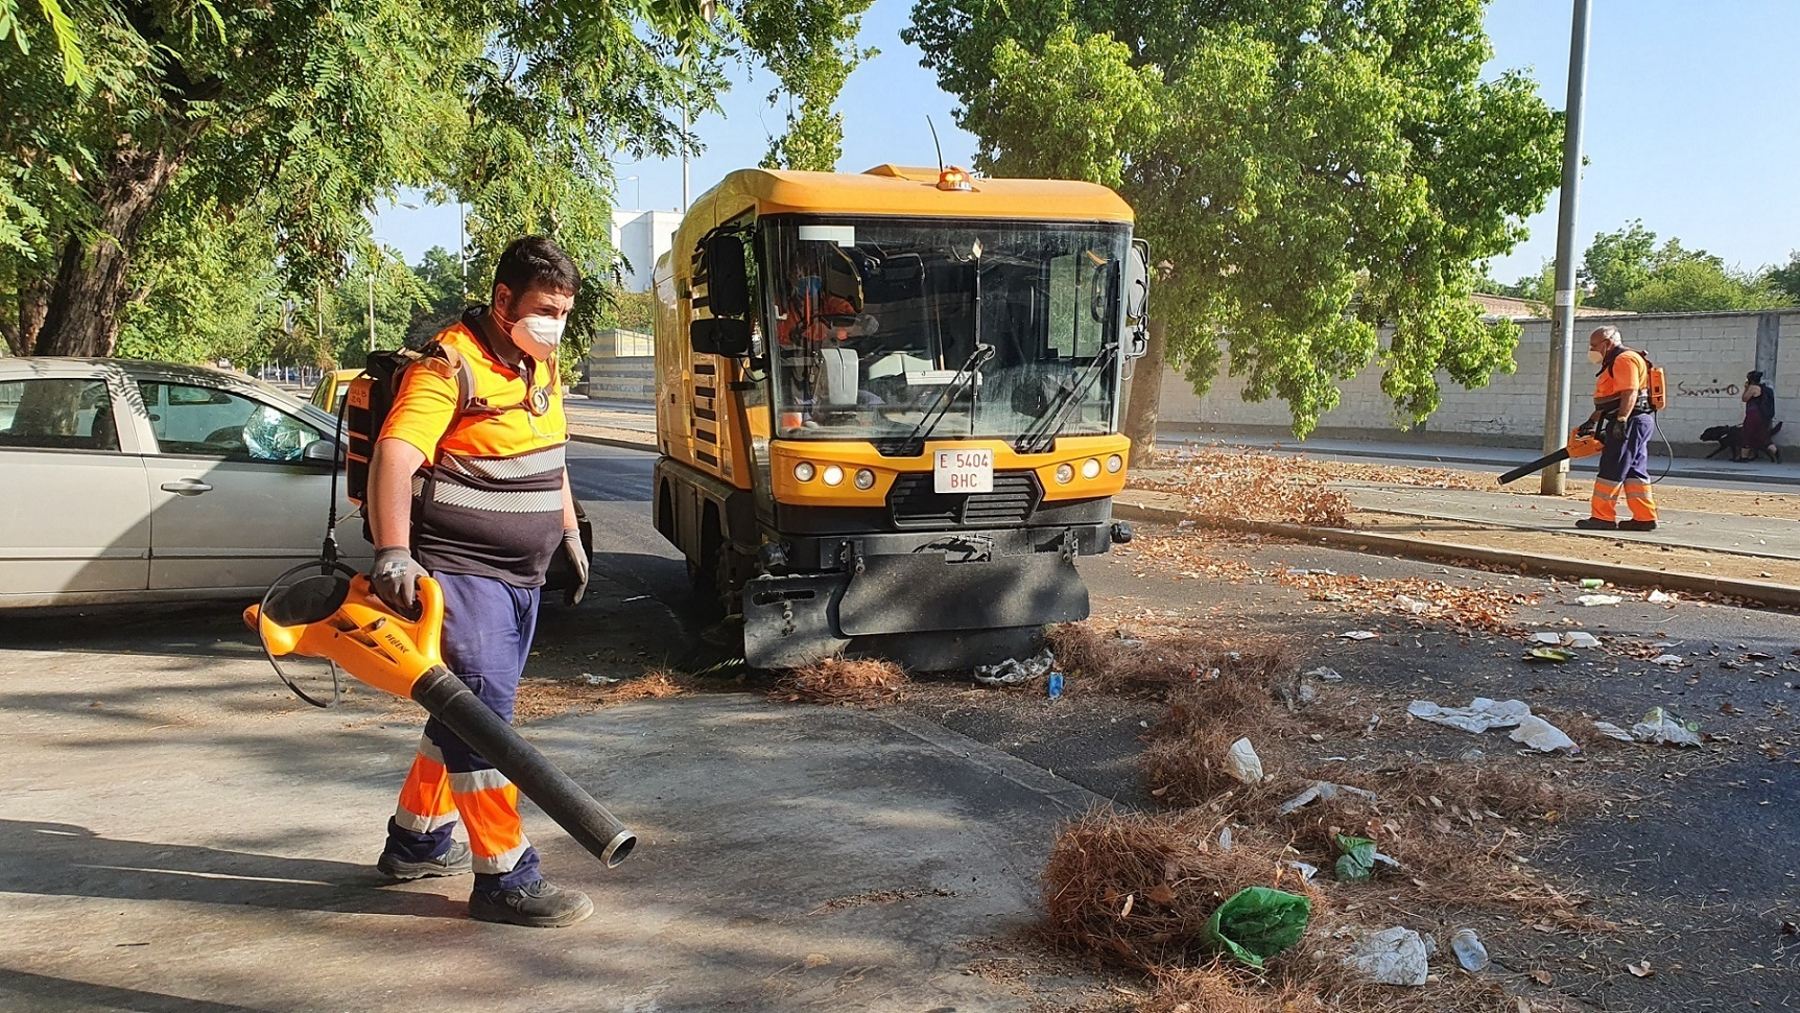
873 320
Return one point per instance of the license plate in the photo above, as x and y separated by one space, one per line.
963 471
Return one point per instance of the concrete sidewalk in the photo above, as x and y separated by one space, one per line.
1768 537
1486 458
181 834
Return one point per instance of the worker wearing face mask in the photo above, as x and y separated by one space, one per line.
468 484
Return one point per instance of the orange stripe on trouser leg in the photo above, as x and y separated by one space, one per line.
1641 502
1605 502
425 802
489 805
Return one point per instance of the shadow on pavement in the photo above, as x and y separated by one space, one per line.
46 992
67 860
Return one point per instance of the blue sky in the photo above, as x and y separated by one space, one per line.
1693 124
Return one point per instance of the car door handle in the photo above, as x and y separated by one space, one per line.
186 487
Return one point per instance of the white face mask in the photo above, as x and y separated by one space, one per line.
1596 357
537 336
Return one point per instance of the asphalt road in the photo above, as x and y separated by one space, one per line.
1694 852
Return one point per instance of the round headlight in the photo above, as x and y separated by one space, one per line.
1065 473
1114 463
833 475
1090 468
865 479
803 471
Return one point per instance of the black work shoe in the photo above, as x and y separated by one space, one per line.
454 862
1637 525
541 905
1596 524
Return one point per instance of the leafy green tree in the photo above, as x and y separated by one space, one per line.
1626 269
1617 262
811 49
440 275
1309 170
304 113
1785 279
1697 284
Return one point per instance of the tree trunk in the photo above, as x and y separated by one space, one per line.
22 330
1145 399
83 312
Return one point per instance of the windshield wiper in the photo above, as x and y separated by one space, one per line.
941 407
1042 435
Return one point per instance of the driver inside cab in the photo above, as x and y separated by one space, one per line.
813 312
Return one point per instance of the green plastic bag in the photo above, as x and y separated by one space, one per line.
1357 862
1258 922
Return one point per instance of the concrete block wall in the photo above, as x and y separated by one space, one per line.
1704 354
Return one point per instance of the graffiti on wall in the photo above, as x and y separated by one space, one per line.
1712 388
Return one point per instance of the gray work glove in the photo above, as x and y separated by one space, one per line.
395 577
578 558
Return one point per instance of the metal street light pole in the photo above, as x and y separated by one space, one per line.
639 206
1562 320
371 307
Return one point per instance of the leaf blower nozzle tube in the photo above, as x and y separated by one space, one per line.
339 617
445 696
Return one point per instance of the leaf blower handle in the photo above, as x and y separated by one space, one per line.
445 696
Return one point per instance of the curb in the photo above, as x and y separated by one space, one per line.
1450 552
648 443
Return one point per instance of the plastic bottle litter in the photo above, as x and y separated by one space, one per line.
1056 685
1242 763
1470 953
1592 584
1394 956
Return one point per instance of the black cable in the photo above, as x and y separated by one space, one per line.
327 563
1668 455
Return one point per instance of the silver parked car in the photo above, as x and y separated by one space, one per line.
128 481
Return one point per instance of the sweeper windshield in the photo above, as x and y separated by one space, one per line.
1003 329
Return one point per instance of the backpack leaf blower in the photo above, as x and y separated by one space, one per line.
335 615
1583 442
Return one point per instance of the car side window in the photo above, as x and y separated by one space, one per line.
52 413
203 421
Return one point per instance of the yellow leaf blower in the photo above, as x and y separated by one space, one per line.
335 615
1583 442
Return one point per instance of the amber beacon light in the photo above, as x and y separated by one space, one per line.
954 179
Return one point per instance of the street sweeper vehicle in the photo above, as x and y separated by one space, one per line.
888 406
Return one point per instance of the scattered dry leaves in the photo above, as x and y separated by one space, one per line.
841 681
541 698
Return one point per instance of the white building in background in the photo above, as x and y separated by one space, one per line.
641 237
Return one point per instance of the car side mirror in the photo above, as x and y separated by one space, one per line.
727 279
720 336
321 453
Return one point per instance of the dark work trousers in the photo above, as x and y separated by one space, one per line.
488 626
1625 466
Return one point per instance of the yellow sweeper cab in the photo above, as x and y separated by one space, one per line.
888 406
